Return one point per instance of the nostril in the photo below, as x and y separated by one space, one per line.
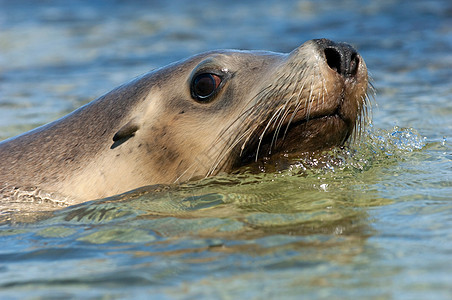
333 59
354 62
341 57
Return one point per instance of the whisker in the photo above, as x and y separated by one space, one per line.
226 152
261 137
297 107
281 122
186 170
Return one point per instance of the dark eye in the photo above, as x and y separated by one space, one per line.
204 86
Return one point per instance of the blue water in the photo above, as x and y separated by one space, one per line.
373 224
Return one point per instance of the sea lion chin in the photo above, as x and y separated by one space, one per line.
211 113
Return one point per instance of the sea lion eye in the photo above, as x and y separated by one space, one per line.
204 86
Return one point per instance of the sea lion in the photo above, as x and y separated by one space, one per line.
210 113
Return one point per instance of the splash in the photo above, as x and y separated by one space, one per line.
376 147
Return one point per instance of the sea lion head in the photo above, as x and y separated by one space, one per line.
220 110
213 112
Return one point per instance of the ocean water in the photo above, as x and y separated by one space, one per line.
373 222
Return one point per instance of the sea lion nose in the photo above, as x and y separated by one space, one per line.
341 57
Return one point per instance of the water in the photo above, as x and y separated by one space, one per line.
374 223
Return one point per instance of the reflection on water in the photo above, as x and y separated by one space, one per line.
372 221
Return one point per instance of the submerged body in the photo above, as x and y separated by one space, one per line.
210 113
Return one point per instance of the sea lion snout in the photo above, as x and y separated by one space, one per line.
315 100
341 57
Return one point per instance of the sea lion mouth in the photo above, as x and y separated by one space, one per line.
300 136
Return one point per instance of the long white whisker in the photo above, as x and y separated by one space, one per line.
261 137
287 112
228 149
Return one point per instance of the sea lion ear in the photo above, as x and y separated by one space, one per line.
125 132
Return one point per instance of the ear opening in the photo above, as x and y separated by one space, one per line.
125 133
